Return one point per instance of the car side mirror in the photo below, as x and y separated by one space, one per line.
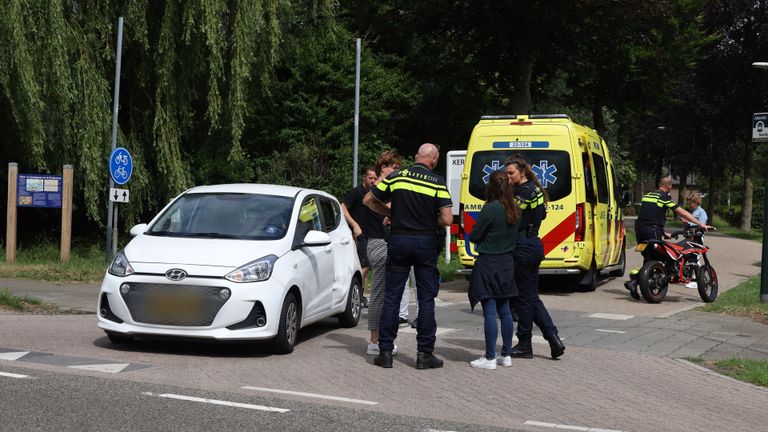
314 238
138 229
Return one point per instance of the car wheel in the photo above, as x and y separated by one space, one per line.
289 326
619 272
119 339
351 315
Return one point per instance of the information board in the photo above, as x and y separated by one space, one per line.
38 190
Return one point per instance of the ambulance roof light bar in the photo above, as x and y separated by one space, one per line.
532 116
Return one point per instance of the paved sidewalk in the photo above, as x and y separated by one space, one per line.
78 296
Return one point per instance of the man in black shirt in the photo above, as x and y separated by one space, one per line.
420 203
359 216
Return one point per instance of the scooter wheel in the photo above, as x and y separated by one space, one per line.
653 281
706 281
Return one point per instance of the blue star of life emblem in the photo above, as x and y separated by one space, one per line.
545 172
488 170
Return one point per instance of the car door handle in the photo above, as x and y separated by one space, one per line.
345 241
328 249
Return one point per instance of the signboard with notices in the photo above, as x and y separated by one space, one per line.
39 190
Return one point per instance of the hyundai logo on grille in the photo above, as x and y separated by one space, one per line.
175 274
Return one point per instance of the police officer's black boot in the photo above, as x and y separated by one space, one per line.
556 346
523 349
631 284
384 359
426 360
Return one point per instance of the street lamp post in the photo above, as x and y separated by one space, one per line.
764 265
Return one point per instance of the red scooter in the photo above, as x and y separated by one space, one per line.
683 262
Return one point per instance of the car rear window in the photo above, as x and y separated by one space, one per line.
226 215
552 168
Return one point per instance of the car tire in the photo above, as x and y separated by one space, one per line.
351 315
619 272
119 339
288 328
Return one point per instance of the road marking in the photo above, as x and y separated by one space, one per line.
106 368
312 395
568 427
13 355
610 331
440 330
13 375
218 402
609 316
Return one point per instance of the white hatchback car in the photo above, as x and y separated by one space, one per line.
234 262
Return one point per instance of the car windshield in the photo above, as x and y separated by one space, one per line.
552 168
226 215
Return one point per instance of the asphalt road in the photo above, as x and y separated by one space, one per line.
621 372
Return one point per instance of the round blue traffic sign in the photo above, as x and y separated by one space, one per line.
120 165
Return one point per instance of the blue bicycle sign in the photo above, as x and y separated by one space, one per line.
120 165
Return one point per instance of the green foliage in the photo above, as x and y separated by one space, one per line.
15 302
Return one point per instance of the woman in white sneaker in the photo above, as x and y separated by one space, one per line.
493 281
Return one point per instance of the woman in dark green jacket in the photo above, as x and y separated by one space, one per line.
493 281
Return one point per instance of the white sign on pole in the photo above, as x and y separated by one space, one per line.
119 195
454 167
760 127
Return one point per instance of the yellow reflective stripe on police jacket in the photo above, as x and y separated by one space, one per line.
533 202
654 198
417 186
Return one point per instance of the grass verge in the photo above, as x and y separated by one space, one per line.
41 262
741 300
751 371
24 304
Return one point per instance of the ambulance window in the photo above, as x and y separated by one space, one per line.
552 168
601 178
588 178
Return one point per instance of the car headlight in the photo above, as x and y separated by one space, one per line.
254 271
120 265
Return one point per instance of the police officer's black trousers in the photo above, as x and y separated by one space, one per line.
529 308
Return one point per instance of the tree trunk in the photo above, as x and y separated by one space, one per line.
681 190
745 222
520 100
712 198
597 117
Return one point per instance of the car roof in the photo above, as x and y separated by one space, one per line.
252 188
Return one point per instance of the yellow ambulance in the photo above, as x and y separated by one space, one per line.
583 233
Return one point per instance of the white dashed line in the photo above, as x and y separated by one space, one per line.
568 427
13 375
218 402
13 355
609 316
610 331
112 368
312 395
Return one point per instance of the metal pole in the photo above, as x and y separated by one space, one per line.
764 264
110 250
357 109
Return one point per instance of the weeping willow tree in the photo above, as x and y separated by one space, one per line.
189 69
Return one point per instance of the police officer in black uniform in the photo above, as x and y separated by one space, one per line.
528 254
420 204
651 220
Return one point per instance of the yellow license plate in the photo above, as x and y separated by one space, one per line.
177 306
641 247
